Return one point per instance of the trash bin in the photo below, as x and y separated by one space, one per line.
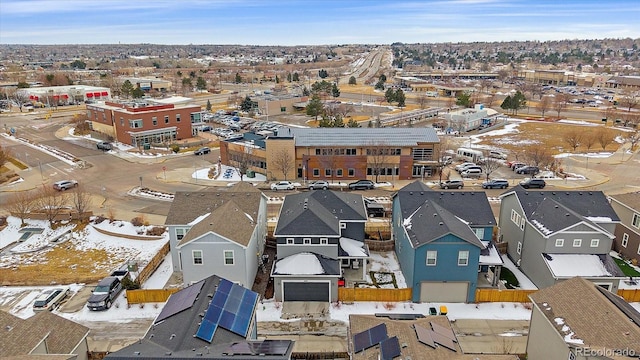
251 174
147 146
443 310
132 267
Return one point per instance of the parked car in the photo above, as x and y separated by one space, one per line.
497 155
361 185
374 208
64 184
452 184
460 167
320 184
105 293
531 170
495 184
282 185
50 299
446 160
516 165
202 151
533 183
471 173
104 145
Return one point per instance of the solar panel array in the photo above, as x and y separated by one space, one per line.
265 347
369 338
180 301
438 334
231 308
390 348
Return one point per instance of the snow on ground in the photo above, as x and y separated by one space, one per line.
525 283
387 262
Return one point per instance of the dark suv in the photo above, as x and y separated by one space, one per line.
533 183
374 208
105 293
532 170
361 185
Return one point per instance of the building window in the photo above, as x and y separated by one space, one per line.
154 120
135 124
316 172
180 234
177 117
166 119
228 257
283 108
522 223
351 151
519 249
327 172
513 215
306 241
463 258
595 242
339 172
432 257
479 232
318 152
197 257
343 225
636 221
625 240
638 249
577 242
89 114
290 241
324 241
121 121
559 242
351 172
104 117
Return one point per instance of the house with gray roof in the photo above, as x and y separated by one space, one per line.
345 154
627 241
556 235
443 241
213 318
318 232
576 319
218 231
44 334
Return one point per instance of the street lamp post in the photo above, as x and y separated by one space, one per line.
422 173
40 166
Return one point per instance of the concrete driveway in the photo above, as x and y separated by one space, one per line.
480 336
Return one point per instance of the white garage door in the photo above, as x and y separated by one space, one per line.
443 292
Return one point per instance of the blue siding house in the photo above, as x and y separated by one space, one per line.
439 242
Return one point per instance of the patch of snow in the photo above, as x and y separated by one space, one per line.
570 339
352 247
524 281
559 321
599 218
541 227
198 219
299 264
570 265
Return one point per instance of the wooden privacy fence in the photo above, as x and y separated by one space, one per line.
508 295
631 295
153 264
149 295
369 294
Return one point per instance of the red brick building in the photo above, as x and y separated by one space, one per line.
139 123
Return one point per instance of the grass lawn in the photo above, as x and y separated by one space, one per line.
510 279
627 269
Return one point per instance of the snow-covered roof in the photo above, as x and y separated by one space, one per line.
306 263
353 248
570 265
490 255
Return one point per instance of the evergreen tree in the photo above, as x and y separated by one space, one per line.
400 97
390 95
127 88
335 92
201 83
208 105
305 91
507 103
248 104
238 78
354 124
338 121
137 93
296 77
463 99
379 85
314 107
352 80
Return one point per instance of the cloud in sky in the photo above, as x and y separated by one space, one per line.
298 22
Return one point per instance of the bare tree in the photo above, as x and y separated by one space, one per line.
588 140
490 99
610 113
538 155
544 104
21 98
573 138
20 205
560 103
489 165
633 138
284 162
604 137
241 161
345 110
630 119
422 100
377 157
81 200
51 202
330 162
440 151
628 100
5 154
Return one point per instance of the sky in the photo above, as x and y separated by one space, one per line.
312 22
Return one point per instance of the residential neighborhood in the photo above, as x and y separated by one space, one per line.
321 180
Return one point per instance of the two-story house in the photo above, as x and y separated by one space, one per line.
627 241
317 233
556 235
439 242
219 231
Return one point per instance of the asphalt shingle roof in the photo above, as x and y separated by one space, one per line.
631 199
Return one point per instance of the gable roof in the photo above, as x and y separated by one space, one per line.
598 319
431 222
306 263
318 212
20 337
552 216
630 200
173 336
188 206
229 220
470 206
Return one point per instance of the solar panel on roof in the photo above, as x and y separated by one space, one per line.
180 301
224 286
206 330
443 341
237 292
219 299
370 337
361 341
443 331
378 333
424 336
266 347
390 348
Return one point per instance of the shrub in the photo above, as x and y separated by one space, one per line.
129 284
137 221
156 231
175 148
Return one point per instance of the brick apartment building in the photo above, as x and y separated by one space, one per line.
144 122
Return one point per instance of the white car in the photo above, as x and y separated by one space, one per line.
50 299
282 185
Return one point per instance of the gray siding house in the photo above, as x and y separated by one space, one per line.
556 235
317 233
627 241
220 232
